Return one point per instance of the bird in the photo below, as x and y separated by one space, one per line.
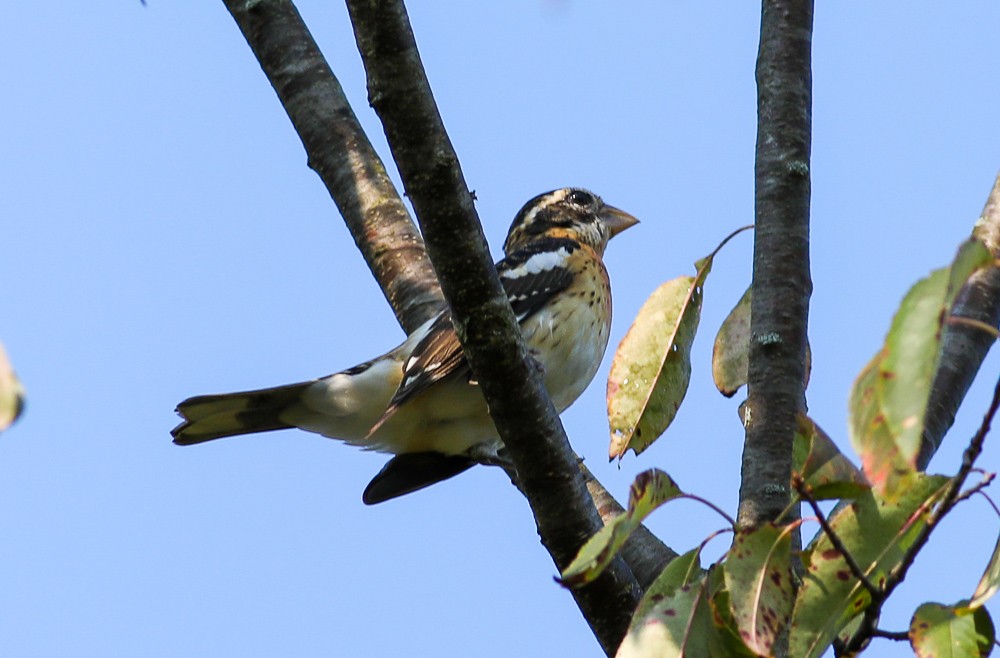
420 402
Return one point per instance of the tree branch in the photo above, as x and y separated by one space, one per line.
339 151
963 348
781 281
524 415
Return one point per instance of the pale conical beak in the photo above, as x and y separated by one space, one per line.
617 220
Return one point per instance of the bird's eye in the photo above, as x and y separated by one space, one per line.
580 198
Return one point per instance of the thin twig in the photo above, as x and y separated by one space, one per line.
976 488
974 324
989 500
898 636
715 508
805 492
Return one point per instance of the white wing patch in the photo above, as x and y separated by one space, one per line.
538 263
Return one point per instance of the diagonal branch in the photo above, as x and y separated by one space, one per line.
339 151
952 496
524 415
781 281
963 347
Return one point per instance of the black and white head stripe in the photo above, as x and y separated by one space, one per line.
565 208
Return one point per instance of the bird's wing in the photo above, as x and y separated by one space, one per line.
531 277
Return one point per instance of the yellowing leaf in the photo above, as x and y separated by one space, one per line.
759 580
889 398
652 366
650 490
731 352
11 393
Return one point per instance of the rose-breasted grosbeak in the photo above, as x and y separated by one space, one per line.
419 401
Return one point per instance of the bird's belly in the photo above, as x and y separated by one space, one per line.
450 419
569 340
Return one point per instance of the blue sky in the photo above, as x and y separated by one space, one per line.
163 237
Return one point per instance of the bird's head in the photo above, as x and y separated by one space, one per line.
569 212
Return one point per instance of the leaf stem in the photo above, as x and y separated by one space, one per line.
975 324
718 510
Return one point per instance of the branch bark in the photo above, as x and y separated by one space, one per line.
963 348
525 418
339 151
781 280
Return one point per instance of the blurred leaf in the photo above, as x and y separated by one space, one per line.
758 577
650 490
11 393
821 465
652 366
726 640
889 397
990 582
877 532
941 631
681 571
676 623
731 353
682 623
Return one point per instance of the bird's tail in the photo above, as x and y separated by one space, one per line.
208 417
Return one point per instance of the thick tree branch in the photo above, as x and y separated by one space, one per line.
524 415
343 157
963 348
781 281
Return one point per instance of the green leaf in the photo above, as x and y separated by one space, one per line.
877 532
650 490
652 365
673 627
682 570
11 393
941 631
726 640
821 465
990 582
889 398
731 352
682 624
759 580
